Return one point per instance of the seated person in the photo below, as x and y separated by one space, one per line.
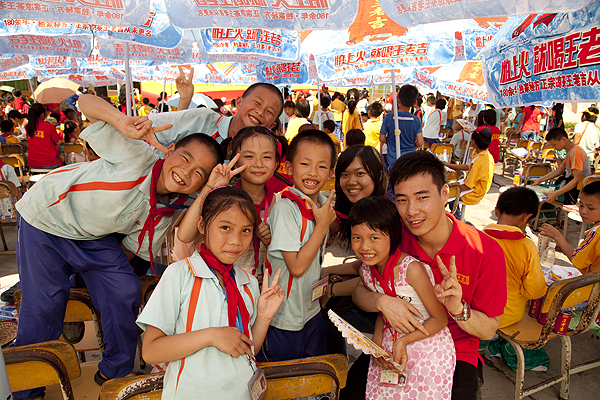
524 277
480 171
576 165
459 134
372 127
43 140
329 129
19 120
354 137
586 256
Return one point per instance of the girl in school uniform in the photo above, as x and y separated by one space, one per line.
427 361
207 317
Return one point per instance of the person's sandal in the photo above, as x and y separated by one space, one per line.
99 379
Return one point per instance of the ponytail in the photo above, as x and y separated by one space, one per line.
352 96
35 112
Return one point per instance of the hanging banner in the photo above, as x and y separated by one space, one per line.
282 73
99 80
403 76
22 72
95 60
357 81
108 12
275 14
142 74
416 12
113 49
43 62
9 61
74 46
48 73
539 57
462 80
423 77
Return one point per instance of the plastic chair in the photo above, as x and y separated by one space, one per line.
532 172
530 335
438 148
17 162
511 159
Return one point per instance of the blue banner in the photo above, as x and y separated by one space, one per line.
44 62
415 12
22 72
114 49
108 12
534 58
282 73
462 80
9 61
402 75
275 14
53 72
74 45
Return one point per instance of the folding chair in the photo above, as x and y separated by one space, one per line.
531 172
462 147
8 193
512 159
454 195
547 155
13 148
74 148
530 335
17 162
438 148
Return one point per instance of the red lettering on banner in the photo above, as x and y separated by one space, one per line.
513 70
301 4
589 51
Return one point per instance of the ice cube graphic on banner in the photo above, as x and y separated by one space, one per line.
22 72
72 45
538 57
275 14
9 61
108 12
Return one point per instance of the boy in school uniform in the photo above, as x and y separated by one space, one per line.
524 277
480 171
372 127
576 165
586 257
299 229
71 221
435 121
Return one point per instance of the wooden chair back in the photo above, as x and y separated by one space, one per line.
452 176
454 194
438 148
13 148
143 387
16 161
534 171
587 180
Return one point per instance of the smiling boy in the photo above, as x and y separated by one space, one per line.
299 228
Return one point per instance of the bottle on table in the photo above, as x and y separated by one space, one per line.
548 256
516 179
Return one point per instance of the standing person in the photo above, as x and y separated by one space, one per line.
487 119
418 111
435 122
351 118
43 139
465 263
428 107
587 133
529 126
10 104
144 110
208 314
300 117
324 113
361 106
338 107
373 126
387 270
557 115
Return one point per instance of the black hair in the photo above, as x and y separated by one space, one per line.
211 144
314 136
276 127
56 116
224 198
431 99
270 87
16 93
7 126
289 104
592 189
13 114
556 134
325 101
440 104
353 96
370 160
36 111
386 220
419 100
418 163
482 138
250 132
518 201
354 137
336 95
375 109
302 109
232 102
70 111
146 100
70 127
408 95
489 117
329 125
589 117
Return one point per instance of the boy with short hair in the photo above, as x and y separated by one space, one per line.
324 113
329 129
288 111
524 277
576 165
372 127
435 121
355 137
586 257
144 110
8 129
72 221
299 229
459 135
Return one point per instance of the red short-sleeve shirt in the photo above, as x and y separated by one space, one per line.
481 271
42 150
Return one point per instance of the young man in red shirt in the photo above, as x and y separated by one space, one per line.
468 267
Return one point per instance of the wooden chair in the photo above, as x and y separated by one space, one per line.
511 159
462 147
452 175
285 380
454 195
69 148
14 148
17 163
530 335
8 193
547 155
512 139
42 364
532 172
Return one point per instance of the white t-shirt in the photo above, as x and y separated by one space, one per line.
590 137
361 106
436 119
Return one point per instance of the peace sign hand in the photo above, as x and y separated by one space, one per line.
185 86
222 173
449 291
325 214
271 297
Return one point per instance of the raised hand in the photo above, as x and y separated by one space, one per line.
324 214
271 297
222 173
229 340
449 291
141 128
264 233
185 86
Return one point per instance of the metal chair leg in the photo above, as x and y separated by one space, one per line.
565 366
3 239
520 372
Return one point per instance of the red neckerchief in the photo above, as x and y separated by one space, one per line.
263 206
234 298
154 213
340 217
388 273
500 234
302 204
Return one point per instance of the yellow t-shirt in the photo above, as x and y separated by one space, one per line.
144 110
479 178
293 125
371 130
524 276
336 141
351 121
338 108
587 255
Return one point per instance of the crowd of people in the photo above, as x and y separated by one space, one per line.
428 286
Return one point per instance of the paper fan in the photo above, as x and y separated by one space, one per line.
359 340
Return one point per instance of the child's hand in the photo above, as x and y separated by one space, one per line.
141 128
229 340
549 230
399 354
552 196
185 87
264 233
222 173
270 298
326 214
449 292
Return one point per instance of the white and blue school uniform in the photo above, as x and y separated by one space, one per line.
188 122
208 373
7 173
